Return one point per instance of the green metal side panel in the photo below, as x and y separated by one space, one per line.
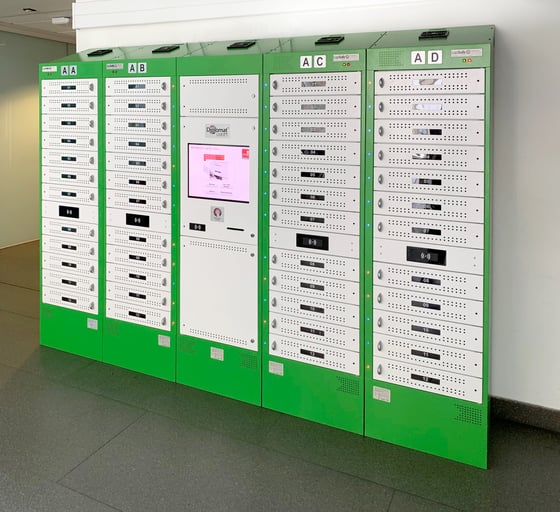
293 387
137 347
441 425
237 373
61 328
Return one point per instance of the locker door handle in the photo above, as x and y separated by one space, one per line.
381 83
381 106
379 369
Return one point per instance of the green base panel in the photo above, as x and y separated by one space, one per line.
430 423
316 394
67 330
137 348
237 376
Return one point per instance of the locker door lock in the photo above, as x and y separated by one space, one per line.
274 194
164 203
381 83
164 126
91 105
381 106
274 280
164 301
92 124
164 106
380 155
275 107
275 151
164 165
274 216
164 242
164 145
380 179
91 142
91 269
379 298
275 84
379 322
91 287
273 302
164 185
273 324
379 369
380 203
275 172
164 282
92 160
379 346
274 346
379 274
380 227
92 197
92 179
164 262
92 306
163 86
275 129
91 87
164 321
92 232
274 258
380 131
92 252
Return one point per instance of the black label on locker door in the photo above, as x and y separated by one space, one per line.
427 355
310 330
426 280
423 255
313 264
312 242
133 219
426 330
426 231
312 197
425 305
69 211
313 309
140 277
423 378
312 174
312 353
137 239
316 220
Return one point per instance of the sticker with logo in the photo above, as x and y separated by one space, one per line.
217 130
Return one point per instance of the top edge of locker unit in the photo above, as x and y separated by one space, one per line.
458 47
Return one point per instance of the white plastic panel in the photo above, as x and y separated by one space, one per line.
316 130
75 123
452 309
315 175
219 292
138 163
452 81
69 105
70 177
153 125
64 246
73 284
68 228
134 144
70 300
317 220
428 355
465 209
429 256
69 158
312 286
427 280
330 335
70 213
137 258
427 379
139 277
428 330
71 265
144 296
320 265
69 194
156 222
69 87
139 315
460 234
429 131
141 106
453 158
315 197
321 311
428 181
226 96
318 355
142 239
139 182
342 153
138 87
444 106
310 84
69 140
332 244
138 201
315 107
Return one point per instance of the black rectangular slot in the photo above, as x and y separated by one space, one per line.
135 144
312 309
140 239
133 200
197 226
69 247
69 211
320 243
68 123
423 378
310 330
136 257
137 315
137 182
434 34
427 355
316 220
68 194
139 277
312 197
312 264
99 53
134 295
136 105
69 265
311 353
314 83
312 174
68 105
137 163
69 300
69 158
68 87
425 330
166 49
133 219
67 229
69 282
314 152
426 231
426 206
312 286
426 280
68 176
137 125
330 40
136 86
426 181
425 305
241 45
314 106
423 255
68 141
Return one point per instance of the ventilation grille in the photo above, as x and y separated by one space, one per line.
214 336
249 361
466 414
186 346
390 58
349 386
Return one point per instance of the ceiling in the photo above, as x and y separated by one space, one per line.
38 23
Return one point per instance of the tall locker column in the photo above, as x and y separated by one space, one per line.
70 235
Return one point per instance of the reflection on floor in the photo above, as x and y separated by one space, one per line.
82 436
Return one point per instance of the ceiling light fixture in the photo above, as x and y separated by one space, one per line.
60 20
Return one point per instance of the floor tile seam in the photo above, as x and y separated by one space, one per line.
94 452
88 496
19 314
20 286
431 500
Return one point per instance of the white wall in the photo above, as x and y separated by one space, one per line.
526 235
19 133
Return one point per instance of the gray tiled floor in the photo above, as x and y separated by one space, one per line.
77 435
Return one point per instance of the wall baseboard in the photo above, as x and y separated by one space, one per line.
527 414
19 243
